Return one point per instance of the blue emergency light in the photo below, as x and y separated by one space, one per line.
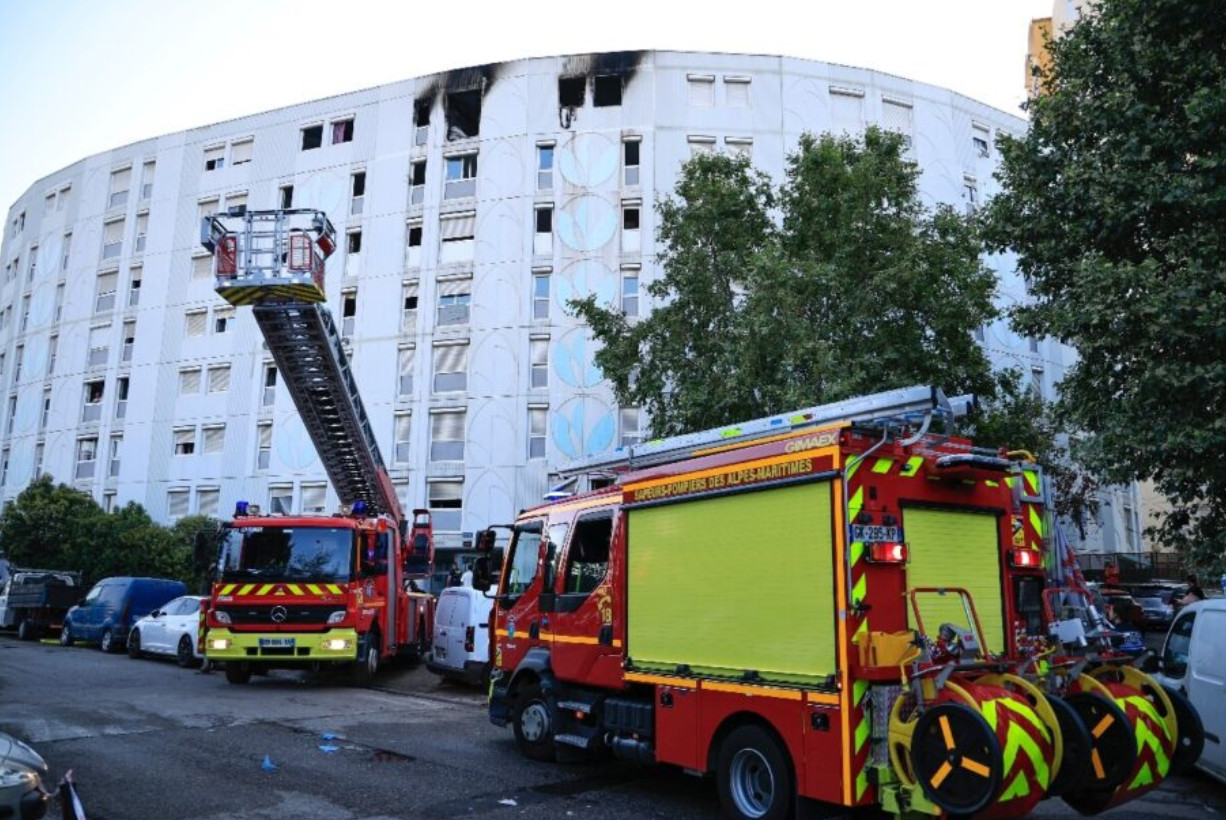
240 508
359 507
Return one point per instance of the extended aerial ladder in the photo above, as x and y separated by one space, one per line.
274 262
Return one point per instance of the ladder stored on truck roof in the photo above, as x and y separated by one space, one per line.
910 408
274 262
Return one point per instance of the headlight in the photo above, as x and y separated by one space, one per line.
222 616
219 643
337 644
337 616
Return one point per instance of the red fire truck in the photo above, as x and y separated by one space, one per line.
842 607
295 591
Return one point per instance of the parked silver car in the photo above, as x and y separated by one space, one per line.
21 780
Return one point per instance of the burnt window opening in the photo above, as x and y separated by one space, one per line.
359 183
421 111
607 91
415 236
571 91
287 197
410 302
312 137
463 114
544 220
418 170
355 242
631 217
349 306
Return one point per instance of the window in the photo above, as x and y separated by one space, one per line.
981 139
537 418
1175 652
241 151
12 415
136 271
214 438
208 501
572 91
421 119
538 354
630 160
312 137
412 256
286 196
450 367
404 382
540 294
112 238
400 437
456 237
631 433
587 558
453 301
45 413
4 466
121 396
544 167
1034 344
342 131
314 498
736 91
281 499
223 319
357 189
49 203
349 311
460 178
62 203
1036 382
447 435
196 321
39 453
978 333
202 266
970 193
99 345
446 503
607 90
116 445
353 242
146 181
219 378
189 381
185 441
104 297
87 456
263 454
630 226
67 246
33 270
177 501
95 390
701 144
129 341
25 314
408 313
630 291
896 116
742 146
207 207
417 182
214 157
542 239
236 202
353 255
847 108
121 181
142 228
270 385
53 349
701 89
463 109
524 557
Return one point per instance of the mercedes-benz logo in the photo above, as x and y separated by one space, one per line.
278 614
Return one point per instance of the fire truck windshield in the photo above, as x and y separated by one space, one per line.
323 554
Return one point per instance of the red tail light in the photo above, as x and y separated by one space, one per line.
470 639
1022 558
887 552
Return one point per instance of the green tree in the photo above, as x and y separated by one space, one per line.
1115 203
51 526
838 283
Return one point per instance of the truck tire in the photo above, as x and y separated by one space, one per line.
66 638
238 673
754 775
367 663
26 631
107 642
185 654
533 723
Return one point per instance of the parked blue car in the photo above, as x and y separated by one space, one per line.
105 616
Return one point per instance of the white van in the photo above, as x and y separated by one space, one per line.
461 649
1193 662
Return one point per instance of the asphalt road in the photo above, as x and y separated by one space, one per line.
148 740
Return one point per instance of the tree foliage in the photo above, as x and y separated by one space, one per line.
836 283
1115 202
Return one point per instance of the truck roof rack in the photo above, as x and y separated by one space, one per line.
906 409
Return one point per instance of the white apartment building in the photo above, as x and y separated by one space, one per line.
473 206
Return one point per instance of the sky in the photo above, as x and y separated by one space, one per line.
79 77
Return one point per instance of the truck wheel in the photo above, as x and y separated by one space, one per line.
134 644
533 724
107 643
66 638
754 776
367 663
238 673
185 656
26 630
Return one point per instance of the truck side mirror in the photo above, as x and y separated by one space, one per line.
482 580
485 542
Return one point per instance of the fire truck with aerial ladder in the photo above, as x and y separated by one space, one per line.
295 590
846 606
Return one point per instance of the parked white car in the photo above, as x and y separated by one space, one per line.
1193 663
171 630
461 649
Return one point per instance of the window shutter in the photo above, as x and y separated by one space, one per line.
458 226
98 337
196 322
234 200
447 426
313 497
202 267
445 491
207 501
736 92
206 208
177 500
142 224
107 282
241 151
121 180
219 379
189 381
450 358
187 435
214 439
265 433
896 117
454 287
536 420
113 232
539 351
